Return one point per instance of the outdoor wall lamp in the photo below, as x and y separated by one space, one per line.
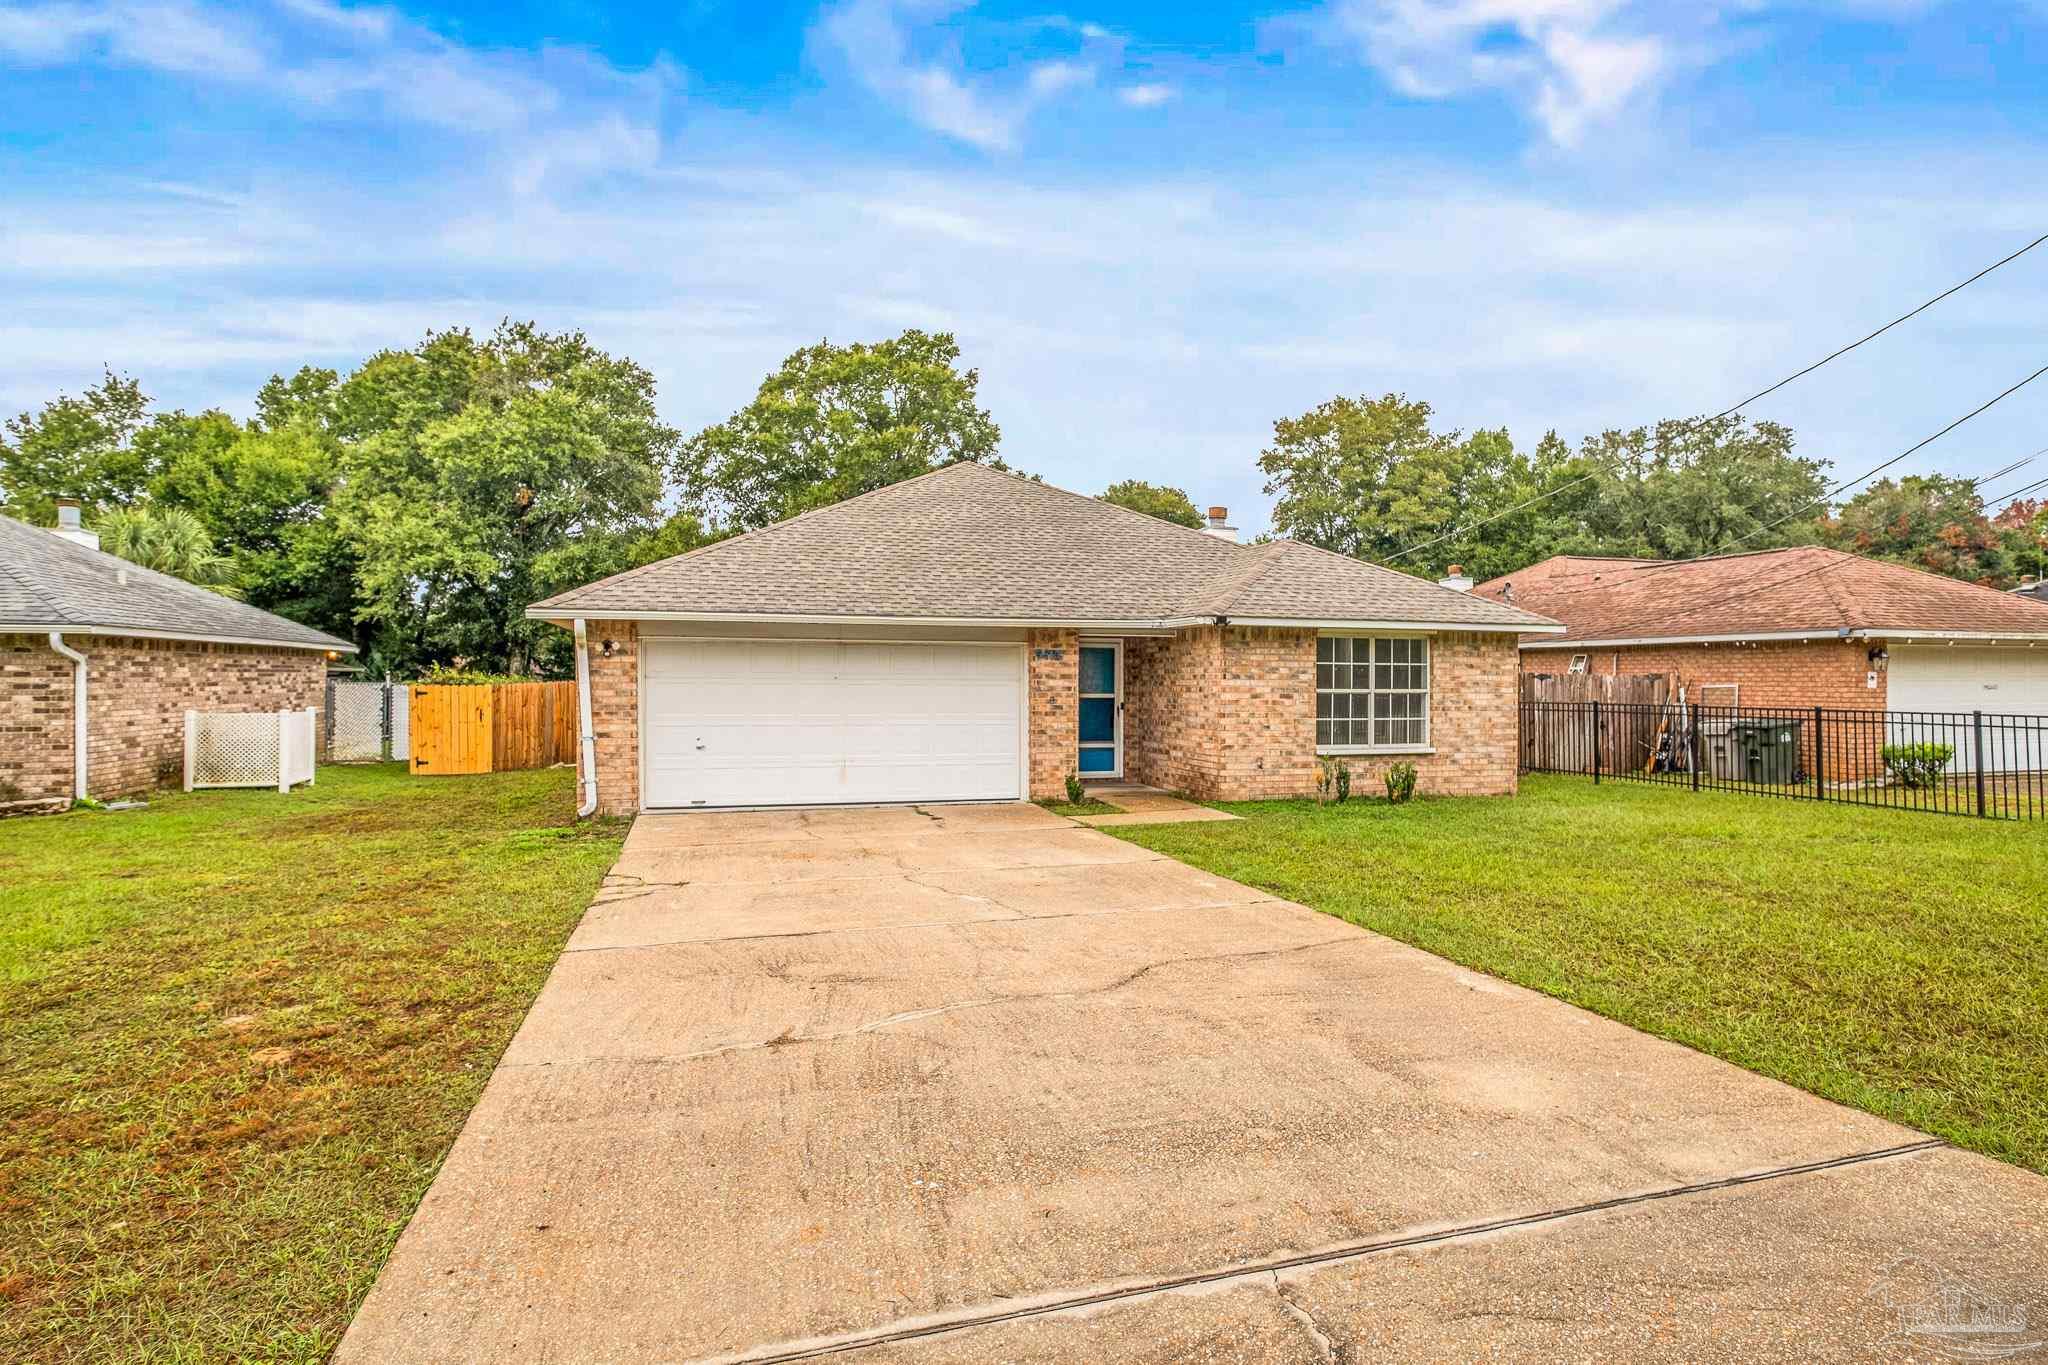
606 649
1879 655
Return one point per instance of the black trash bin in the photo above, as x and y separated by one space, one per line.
1769 749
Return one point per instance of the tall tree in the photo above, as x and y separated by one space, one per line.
1930 521
462 463
1154 500
1701 486
81 447
837 421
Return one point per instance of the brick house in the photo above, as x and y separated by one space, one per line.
1795 628
137 649
972 635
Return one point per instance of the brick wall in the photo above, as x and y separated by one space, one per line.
615 714
1228 714
139 693
1801 673
35 721
1053 709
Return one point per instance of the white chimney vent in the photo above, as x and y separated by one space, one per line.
1457 579
71 528
1219 525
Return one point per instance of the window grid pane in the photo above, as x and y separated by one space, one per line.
1371 691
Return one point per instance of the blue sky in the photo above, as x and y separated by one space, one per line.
1155 228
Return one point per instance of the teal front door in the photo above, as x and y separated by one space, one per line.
1102 711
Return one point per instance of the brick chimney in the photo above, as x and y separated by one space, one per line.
1457 579
1219 525
71 528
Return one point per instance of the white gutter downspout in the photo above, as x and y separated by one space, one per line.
79 731
588 746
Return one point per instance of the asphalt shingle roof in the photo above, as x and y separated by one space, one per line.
1806 588
969 542
50 583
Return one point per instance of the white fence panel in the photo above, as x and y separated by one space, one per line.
249 748
401 722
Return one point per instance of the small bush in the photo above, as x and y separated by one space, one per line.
1400 782
1076 793
1916 765
1343 781
1325 777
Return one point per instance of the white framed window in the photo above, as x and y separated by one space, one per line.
1372 692
1579 663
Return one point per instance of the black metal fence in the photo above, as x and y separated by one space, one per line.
1947 762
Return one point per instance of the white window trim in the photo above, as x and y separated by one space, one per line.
1427 746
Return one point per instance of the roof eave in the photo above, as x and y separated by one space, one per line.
1819 633
561 616
136 632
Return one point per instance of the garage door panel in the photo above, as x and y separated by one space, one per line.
1932 691
745 722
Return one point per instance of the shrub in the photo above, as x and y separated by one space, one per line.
1325 775
1400 782
1343 781
1916 765
1076 793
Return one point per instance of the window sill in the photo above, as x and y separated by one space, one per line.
1341 750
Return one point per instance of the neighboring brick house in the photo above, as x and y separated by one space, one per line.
1796 628
971 635
144 648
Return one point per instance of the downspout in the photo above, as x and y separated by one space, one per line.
79 730
588 747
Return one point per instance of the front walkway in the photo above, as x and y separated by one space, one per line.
1141 805
974 1083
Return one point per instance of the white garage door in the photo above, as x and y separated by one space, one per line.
800 722
1956 680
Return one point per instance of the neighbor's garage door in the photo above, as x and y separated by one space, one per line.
774 722
2004 681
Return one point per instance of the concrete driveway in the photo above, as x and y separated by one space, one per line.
974 1083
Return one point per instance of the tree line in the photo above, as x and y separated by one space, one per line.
417 504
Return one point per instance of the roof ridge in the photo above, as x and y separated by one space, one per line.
1037 485
1235 579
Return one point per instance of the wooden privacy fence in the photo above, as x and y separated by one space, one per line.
1627 734
493 727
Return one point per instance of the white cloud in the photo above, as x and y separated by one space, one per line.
1570 64
1147 328
164 35
897 50
1146 94
550 112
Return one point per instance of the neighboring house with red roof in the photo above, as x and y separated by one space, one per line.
1799 627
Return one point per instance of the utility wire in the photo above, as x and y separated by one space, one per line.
1730 411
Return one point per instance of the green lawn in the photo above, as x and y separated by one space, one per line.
1893 961
238 1032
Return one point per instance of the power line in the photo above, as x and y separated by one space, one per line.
1730 411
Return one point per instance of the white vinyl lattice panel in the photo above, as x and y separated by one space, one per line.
356 712
249 748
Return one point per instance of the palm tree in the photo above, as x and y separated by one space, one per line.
169 540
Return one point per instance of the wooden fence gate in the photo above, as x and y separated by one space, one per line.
488 728
451 729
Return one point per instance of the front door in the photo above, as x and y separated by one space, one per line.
1102 710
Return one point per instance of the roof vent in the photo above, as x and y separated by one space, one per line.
1219 525
71 528
1457 579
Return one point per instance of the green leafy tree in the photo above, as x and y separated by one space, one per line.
1700 486
168 540
837 421
81 447
463 464
1154 500
1930 521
